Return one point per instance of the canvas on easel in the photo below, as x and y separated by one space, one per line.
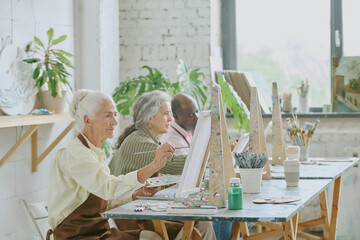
197 157
257 142
278 143
211 142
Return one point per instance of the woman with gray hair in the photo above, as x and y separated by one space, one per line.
81 184
151 118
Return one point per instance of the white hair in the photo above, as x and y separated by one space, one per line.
147 106
86 102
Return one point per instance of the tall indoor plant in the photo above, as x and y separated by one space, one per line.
126 94
52 64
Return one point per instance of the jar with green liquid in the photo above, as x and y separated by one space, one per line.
235 195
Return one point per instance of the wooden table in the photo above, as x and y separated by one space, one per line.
267 214
322 170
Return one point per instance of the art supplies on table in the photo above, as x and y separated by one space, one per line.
246 160
163 180
159 198
179 208
300 135
277 200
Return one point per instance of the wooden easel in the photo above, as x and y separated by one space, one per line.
278 143
221 168
257 142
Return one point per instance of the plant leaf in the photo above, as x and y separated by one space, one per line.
31 60
65 53
59 40
234 103
28 47
38 42
37 71
50 34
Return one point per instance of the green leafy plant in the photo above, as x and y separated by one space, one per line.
234 103
126 94
51 64
192 83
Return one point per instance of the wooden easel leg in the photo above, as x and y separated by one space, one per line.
324 213
335 208
288 230
236 231
188 229
160 229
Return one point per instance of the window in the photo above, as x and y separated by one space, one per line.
288 42
351 19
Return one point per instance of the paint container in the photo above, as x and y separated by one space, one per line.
304 153
293 152
235 194
292 172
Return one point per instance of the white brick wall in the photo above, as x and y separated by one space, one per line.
159 33
21 20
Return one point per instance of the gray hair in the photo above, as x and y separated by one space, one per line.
147 106
86 102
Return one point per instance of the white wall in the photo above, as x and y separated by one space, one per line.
21 20
97 44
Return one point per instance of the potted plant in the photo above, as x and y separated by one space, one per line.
126 94
51 71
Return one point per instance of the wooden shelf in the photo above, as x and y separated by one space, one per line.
34 121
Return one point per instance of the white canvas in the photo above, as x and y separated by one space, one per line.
196 155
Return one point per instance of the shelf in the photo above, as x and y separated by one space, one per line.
34 121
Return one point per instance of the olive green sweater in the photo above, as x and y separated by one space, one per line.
125 161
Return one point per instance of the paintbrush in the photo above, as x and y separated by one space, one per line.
155 150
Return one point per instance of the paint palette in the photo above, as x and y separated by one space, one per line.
276 200
163 180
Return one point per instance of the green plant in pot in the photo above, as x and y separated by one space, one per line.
126 94
51 70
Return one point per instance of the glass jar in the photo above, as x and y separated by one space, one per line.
235 194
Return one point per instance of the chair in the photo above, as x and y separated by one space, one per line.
37 215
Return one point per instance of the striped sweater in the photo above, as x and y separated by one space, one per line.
124 160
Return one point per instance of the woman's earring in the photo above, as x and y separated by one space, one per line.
150 127
91 130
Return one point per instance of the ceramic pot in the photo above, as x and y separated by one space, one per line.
56 104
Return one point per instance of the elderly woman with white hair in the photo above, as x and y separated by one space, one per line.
151 118
81 184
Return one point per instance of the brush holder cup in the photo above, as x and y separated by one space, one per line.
304 153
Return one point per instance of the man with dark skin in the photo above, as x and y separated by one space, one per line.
185 113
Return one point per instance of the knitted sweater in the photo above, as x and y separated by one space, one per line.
124 160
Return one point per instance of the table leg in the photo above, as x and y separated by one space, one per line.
236 231
324 213
335 208
188 229
244 230
160 229
288 230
